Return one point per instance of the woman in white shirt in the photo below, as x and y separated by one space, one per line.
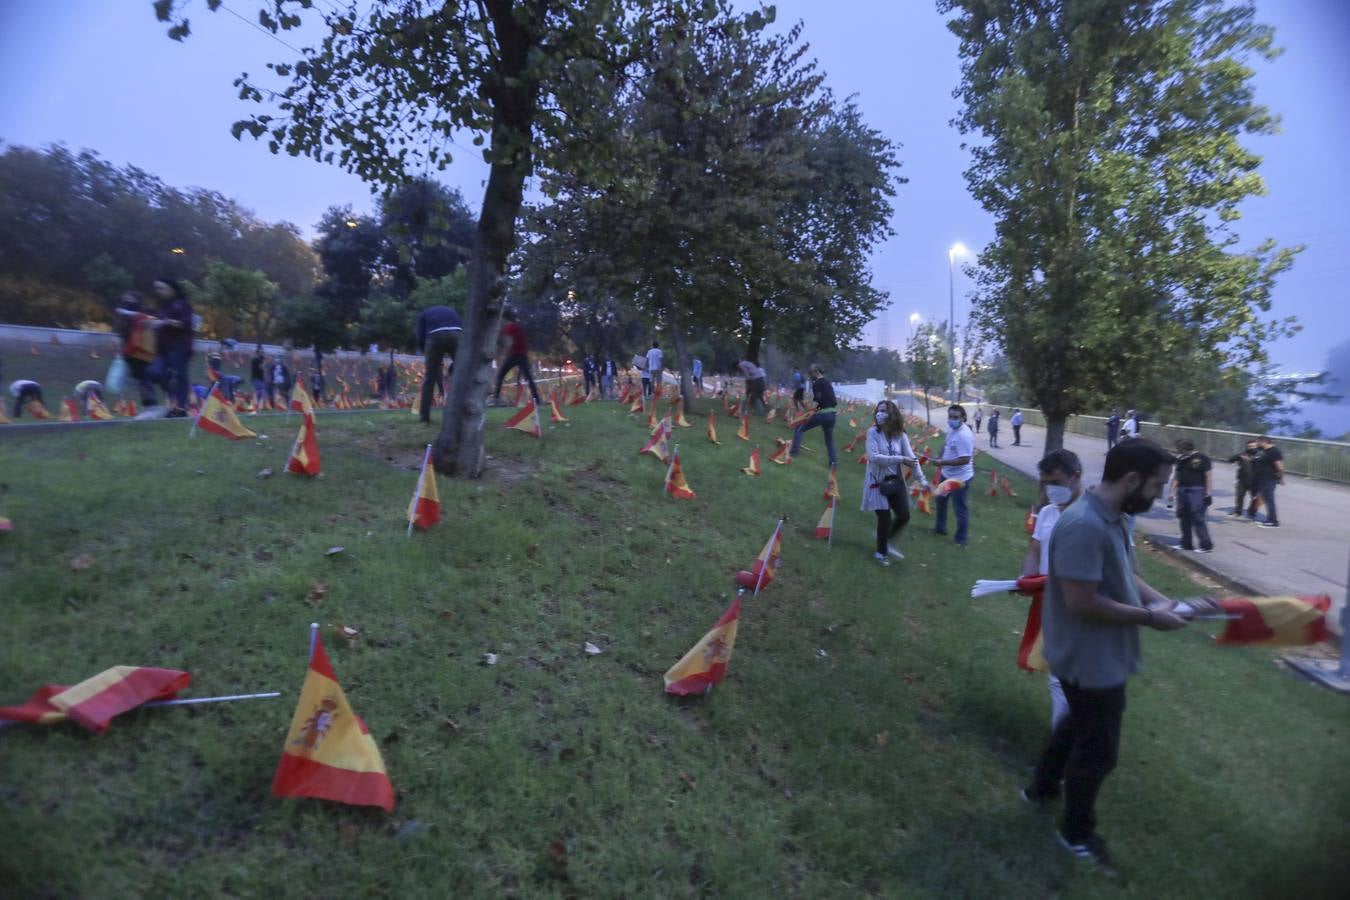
887 449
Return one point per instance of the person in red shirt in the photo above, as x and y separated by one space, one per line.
513 339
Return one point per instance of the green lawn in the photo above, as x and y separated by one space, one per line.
869 739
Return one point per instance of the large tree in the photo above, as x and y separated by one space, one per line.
1109 153
384 91
929 364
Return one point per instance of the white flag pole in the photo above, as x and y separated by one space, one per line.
768 549
675 454
313 637
189 701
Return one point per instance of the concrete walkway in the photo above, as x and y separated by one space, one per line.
1307 554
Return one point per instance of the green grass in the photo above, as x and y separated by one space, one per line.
886 765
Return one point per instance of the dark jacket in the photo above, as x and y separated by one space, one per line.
823 392
434 318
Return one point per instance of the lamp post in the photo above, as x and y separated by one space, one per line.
957 249
914 319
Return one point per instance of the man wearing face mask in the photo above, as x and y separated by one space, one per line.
1095 602
958 462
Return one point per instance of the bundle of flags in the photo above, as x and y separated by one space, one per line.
706 662
425 508
94 702
329 752
761 573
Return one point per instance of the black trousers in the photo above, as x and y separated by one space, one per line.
1017 435
1082 752
440 344
522 362
890 522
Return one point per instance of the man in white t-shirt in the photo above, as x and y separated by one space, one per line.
654 367
957 463
1129 429
1062 480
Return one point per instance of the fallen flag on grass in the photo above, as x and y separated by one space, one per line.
425 508
304 458
217 417
95 701
676 486
329 753
766 564
706 662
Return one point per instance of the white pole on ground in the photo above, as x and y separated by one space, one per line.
313 637
224 699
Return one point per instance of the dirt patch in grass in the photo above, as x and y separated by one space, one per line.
508 472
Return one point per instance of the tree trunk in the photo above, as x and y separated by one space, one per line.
458 449
1054 431
682 357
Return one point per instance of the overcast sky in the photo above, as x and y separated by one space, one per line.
101 74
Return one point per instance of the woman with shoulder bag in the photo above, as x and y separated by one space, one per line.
884 492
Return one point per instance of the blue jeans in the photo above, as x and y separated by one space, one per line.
826 422
1266 488
1191 512
606 386
961 503
170 372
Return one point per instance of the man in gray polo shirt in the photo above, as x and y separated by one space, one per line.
1095 602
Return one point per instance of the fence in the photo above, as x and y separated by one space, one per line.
1327 460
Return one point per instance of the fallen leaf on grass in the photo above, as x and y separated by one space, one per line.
451 724
317 591
265 473
81 562
489 659
557 851
343 631
821 653
689 781
334 551
262 555
592 649
883 738
531 550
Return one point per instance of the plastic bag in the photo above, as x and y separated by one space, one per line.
117 374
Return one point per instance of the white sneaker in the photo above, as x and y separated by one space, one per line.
894 551
881 558
154 412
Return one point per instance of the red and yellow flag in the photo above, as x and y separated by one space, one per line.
1029 649
304 458
831 488
706 662
4 419
825 527
753 468
925 504
95 701
301 401
97 410
949 486
554 413
766 564
780 456
658 444
425 508
1030 524
1276 621
217 417
680 420
676 486
744 431
993 482
526 419
712 429
329 752
773 414
853 443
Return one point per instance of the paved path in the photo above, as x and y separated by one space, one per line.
1307 554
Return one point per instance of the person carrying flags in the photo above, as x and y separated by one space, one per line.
884 481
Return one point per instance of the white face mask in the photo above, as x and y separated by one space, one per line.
1058 494
881 416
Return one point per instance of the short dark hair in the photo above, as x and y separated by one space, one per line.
1185 446
958 409
1139 455
1060 460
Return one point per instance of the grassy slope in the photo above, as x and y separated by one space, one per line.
886 765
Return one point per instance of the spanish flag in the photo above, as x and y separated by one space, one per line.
69 411
948 486
744 431
526 419
773 414
1276 621
712 429
680 420
95 701
780 456
304 458
925 504
636 407
301 401
658 444
425 508
831 488
554 413
706 662
4 419
1030 524
218 418
825 527
1007 486
753 468
97 410
766 564
993 482
853 443
329 753
676 486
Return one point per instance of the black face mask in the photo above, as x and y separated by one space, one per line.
1135 503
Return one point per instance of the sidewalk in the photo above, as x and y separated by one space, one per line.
1307 554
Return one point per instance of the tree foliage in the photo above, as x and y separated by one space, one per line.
1110 156
929 364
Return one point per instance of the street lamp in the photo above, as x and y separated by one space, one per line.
957 249
914 320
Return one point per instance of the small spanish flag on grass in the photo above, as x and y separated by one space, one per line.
676 486
217 417
304 458
706 662
36 409
95 701
658 444
526 419
744 431
301 401
825 527
97 410
425 508
329 753
712 429
766 564
753 468
831 488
